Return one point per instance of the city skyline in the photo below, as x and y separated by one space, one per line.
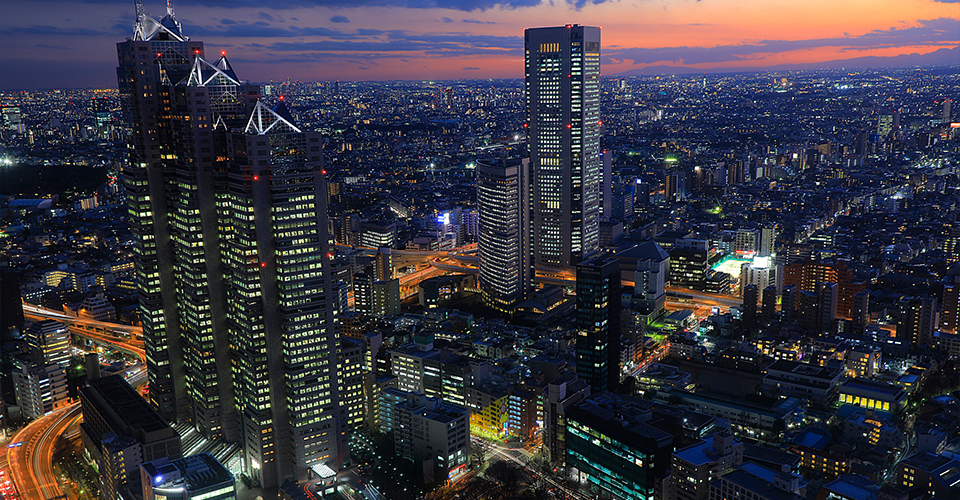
387 40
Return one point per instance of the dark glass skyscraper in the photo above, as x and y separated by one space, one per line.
562 83
598 322
227 199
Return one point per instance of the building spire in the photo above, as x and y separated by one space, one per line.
138 31
170 9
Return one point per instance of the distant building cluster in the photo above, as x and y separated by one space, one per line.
672 288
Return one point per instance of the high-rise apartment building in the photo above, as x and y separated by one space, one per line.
227 199
951 308
562 82
503 245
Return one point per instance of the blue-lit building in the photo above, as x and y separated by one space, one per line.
197 477
611 447
389 398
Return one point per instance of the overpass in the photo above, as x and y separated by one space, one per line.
100 332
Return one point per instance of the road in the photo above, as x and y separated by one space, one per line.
101 332
654 356
36 312
30 454
508 454
30 463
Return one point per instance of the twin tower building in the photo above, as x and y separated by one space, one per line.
227 202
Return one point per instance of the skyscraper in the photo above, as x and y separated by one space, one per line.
598 322
562 82
504 236
281 308
227 199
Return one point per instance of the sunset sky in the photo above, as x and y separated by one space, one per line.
46 44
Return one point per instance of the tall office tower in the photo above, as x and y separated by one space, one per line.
827 306
49 342
788 303
807 275
12 120
751 296
101 111
768 240
689 263
746 242
228 203
768 299
11 306
606 186
861 311
504 233
281 308
945 116
888 122
916 319
674 187
363 292
562 81
383 270
735 173
598 322
157 52
951 308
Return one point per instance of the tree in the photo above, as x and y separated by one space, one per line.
478 455
504 473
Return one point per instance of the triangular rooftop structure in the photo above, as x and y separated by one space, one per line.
223 65
264 120
282 111
149 28
204 73
218 124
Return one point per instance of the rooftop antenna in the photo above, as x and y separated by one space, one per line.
170 9
138 32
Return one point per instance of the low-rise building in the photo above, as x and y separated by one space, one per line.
112 412
755 482
39 389
937 475
800 380
873 395
197 477
766 423
694 467
435 434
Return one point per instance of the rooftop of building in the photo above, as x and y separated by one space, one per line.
853 487
192 473
753 483
433 408
871 386
769 455
778 410
621 417
647 250
813 437
123 400
700 453
798 368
